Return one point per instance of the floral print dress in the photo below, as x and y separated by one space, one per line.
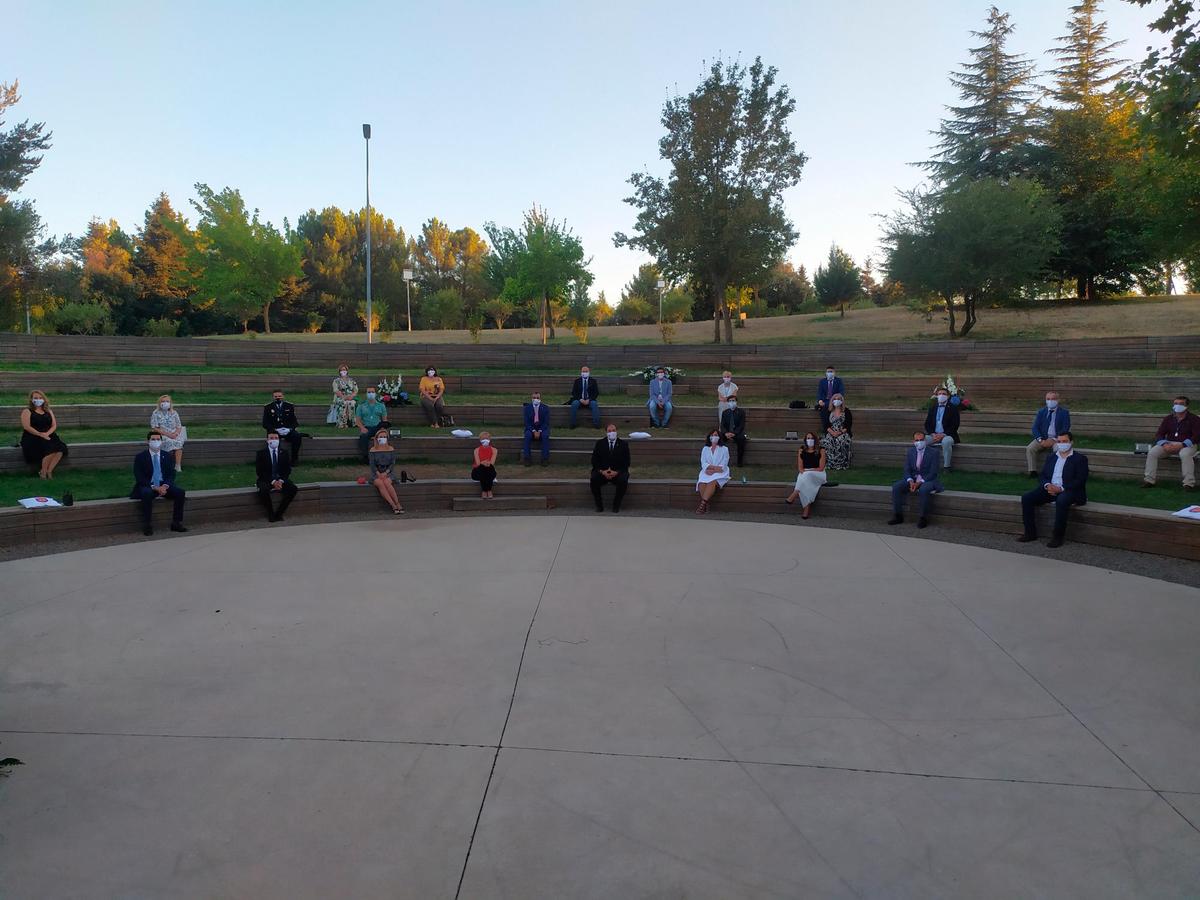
170 421
341 410
838 450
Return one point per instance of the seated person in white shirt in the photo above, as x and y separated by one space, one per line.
1064 483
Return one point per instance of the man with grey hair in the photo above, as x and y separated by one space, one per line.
1051 421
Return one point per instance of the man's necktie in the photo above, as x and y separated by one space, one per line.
535 415
274 467
156 480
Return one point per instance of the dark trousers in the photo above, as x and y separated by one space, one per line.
924 493
364 439
1039 497
621 482
147 495
485 475
293 441
740 441
434 409
594 406
527 452
286 493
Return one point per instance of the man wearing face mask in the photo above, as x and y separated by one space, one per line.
154 477
1050 421
610 465
1064 483
941 426
280 416
273 469
584 393
733 428
828 386
922 466
661 391
537 428
1178 435
370 415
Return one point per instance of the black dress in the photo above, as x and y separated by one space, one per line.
38 448
811 460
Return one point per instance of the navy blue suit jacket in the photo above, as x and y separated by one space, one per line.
543 417
1075 475
931 465
823 392
1041 422
143 471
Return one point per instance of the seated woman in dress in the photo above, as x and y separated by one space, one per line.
484 468
810 466
165 420
40 442
432 389
838 441
382 465
714 469
345 399
726 391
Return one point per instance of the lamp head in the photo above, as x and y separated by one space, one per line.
366 131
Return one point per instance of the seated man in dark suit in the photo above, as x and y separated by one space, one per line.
272 471
941 426
733 427
280 416
154 477
922 465
828 386
610 465
1049 421
584 393
1064 483
537 428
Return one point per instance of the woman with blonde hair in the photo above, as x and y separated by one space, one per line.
382 470
40 442
726 391
165 420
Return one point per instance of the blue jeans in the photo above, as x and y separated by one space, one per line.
660 416
595 408
545 442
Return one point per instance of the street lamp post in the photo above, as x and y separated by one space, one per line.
408 275
370 312
662 286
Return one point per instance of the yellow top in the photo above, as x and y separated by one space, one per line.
432 385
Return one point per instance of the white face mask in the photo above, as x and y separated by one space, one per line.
381 440
38 401
612 436
1062 448
483 442
370 395
662 375
431 372
1051 404
919 444
714 439
165 405
343 373
829 373
837 402
154 445
810 442
273 444
537 402
584 374
733 404
1179 407
727 378
942 398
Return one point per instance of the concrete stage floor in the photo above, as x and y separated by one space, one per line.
682 709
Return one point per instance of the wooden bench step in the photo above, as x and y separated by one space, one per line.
500 504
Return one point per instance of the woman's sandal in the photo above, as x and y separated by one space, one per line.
702 508
398 510
788 502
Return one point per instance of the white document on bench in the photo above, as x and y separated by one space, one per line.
38 502
1188 512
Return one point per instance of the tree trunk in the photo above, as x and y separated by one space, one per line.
968 315
267 317
543 319
843 305
718 299
1169 271
950 312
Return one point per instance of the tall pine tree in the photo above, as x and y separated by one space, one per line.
987 136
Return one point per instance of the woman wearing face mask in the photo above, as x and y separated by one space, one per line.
345 399
382 462
726 391
838 442
165 420
432 388
40 442
810 465
484 468
714 469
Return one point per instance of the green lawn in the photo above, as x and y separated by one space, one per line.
92 484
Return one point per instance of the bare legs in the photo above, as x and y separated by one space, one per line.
706 494
178 459
49 461
387 491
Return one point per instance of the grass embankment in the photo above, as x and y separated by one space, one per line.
95 484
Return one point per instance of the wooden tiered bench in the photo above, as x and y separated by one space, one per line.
1105 525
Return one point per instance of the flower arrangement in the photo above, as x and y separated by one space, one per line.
647 374
392 393
958 395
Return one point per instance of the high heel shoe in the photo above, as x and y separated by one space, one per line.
702 508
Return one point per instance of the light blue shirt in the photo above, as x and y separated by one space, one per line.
941 411
156 478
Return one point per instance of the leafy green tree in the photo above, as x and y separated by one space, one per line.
718 217
644 284
436 261
787 288
90 317
443 310
327 243
21 146
982 242
159 265
677 305
987 135
22 250
634 310
839 281
603 312
241 262
1170 82
500 310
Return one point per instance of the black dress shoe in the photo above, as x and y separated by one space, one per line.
1147 484
922 522
545 462
616 509
147 531
599 508
1033 474
1026 538
177 526
896 520
271 517
1055 542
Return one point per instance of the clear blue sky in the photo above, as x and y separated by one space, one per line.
480 109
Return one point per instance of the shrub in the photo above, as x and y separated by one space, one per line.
161 328
83 318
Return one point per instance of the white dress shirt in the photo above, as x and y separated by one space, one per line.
1059 465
